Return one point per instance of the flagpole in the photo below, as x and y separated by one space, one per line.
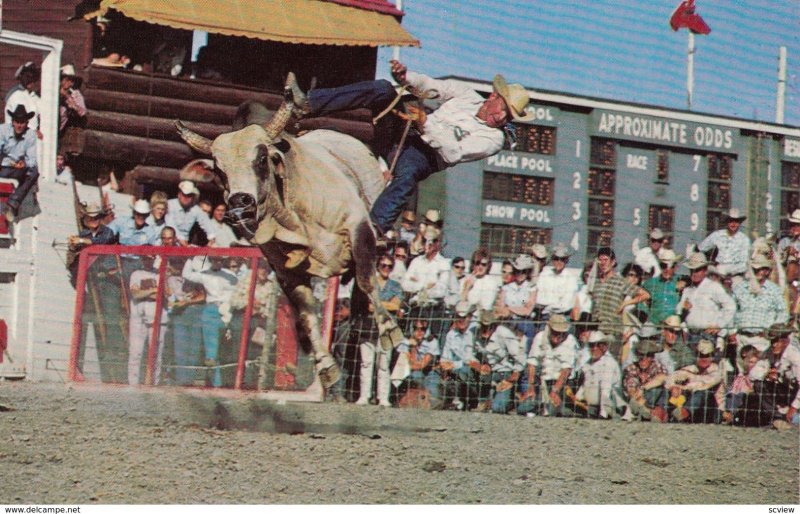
690 71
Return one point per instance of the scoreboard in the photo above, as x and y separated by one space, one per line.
592 173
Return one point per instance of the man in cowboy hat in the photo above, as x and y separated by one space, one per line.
505 356
761 304
465 127
18 157
72 106
432 218
789 246
647 257
407 230
557 284
693 389
733 246
705 306
24 93
643 381
663 287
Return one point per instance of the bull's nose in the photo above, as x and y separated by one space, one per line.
241 201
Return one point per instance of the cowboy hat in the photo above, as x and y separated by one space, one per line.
668 257
794 217
188 188
539 251
779 331
68 71
433 217
463 309
558 323
522 263
696 261
734 214
409 217
561 251
93 210
656 234
20 113
515 96
141 207
432 233
760 261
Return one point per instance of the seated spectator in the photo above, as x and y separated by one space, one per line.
24 95
464 379
480 288
506 273
779 393
731 400
219 284
72 106
423 356
18 158
550 364
372 352
63 171
183 213
692 389
225 236
643 383
505 357
144 290
676 353
598 395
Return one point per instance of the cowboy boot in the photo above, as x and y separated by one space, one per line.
292 93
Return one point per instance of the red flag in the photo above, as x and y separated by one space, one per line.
684 17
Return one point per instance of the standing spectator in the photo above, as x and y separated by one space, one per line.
599 392
72 106
426 281
480 288
705 306
550 364
225 236
135 231
761 304
462 376
219 284
372 352
18 157
733 247
158 210
63 171
24 94
518 297
182 214
611 294
647 257
540 254
144 290
432 218
186 301
663 288
455 282
557 286
506 359
643 383
400 255
692 389
789 246
407 221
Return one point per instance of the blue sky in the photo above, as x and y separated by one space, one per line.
615 49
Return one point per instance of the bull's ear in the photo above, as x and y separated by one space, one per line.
283 145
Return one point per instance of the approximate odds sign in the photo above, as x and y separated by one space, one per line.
665 131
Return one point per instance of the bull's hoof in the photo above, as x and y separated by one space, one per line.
296 257
328 371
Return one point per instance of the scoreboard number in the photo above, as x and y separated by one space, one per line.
575 241
576 211
637 217
576 180
695 221
694 193
696 162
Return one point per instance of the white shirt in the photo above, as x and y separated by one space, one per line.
219 285
648 261
550 361
711 306
224 233
557 292
516 295
453 130
600 381
422 272
483 292
733 251
504 352
789 369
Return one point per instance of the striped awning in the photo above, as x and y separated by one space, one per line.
314 22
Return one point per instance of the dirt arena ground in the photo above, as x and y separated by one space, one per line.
94 445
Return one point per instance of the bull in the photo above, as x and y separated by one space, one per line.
305 202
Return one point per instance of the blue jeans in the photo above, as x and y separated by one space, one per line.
186 333
702 407
26 178
430 381
503 401
416 161
211 323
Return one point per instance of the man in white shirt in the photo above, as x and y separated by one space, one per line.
706 308
647 257
733 246
504 354
599 394
465 127
426 281
557 285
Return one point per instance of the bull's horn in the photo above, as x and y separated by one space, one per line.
278 122
193 139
